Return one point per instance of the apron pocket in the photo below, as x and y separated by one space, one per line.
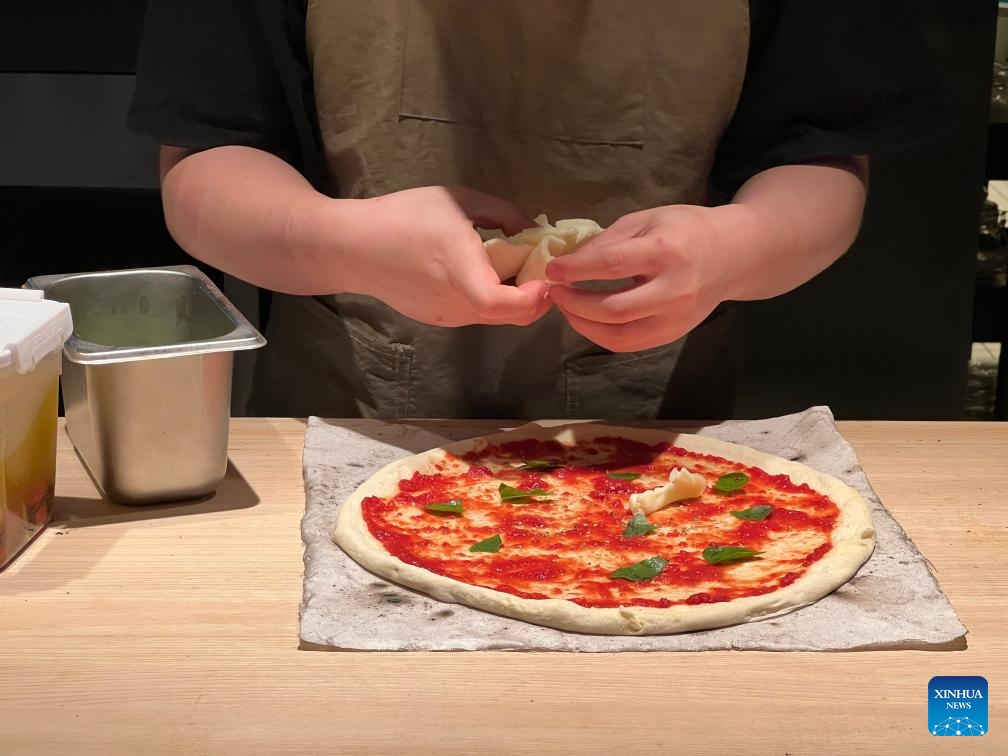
379 370
385 370
620 386
320 361
568 71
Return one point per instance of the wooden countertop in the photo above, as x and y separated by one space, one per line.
174 629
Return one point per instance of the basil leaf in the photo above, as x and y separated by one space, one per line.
624 476
731 482
722 554
519 496
491 544
638 526
453 507
538 464
643 570
760 512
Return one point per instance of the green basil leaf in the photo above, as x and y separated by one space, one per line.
731 482
760 512
643 570
491 544
519 496
453 507
538 464
638 526
722 554
625 476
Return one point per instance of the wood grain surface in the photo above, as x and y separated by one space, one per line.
174 629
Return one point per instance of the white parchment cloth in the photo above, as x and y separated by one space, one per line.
893 601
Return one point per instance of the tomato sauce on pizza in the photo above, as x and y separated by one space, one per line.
554 521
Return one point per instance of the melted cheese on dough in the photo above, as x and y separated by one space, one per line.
526 254
682 485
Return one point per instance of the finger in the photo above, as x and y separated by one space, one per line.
624 337
544 306
599 260
488 211
624 306
493 301
524 319
540 289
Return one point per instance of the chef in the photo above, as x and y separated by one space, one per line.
341 153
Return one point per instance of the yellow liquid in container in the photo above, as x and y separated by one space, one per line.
28 408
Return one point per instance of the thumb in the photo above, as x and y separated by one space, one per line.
481 288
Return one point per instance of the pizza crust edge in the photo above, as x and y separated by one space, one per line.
853 543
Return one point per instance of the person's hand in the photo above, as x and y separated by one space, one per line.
417 251
675 256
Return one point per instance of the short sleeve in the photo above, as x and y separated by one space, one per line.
828 79
207 77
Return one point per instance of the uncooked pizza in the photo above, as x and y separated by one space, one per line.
609 530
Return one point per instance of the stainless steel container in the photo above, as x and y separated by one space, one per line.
147 378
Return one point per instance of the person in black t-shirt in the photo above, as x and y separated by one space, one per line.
341 153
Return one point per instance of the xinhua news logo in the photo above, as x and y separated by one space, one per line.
957 706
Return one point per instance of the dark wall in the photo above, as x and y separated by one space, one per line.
50 230
885 333
66 79
70 36
77 190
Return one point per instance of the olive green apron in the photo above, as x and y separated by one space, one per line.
573 108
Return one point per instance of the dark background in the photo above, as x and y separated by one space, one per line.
77 191
885 333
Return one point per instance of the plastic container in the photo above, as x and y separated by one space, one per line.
147 380
32 332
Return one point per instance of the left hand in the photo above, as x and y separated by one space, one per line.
675 254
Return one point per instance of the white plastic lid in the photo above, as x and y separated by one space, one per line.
30 328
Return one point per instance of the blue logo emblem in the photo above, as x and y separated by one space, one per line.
957 706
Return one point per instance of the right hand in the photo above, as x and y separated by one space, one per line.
417 251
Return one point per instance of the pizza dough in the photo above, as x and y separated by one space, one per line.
850 542
525 255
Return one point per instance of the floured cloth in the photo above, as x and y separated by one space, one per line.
892 602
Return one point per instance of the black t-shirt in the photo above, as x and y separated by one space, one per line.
824 78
